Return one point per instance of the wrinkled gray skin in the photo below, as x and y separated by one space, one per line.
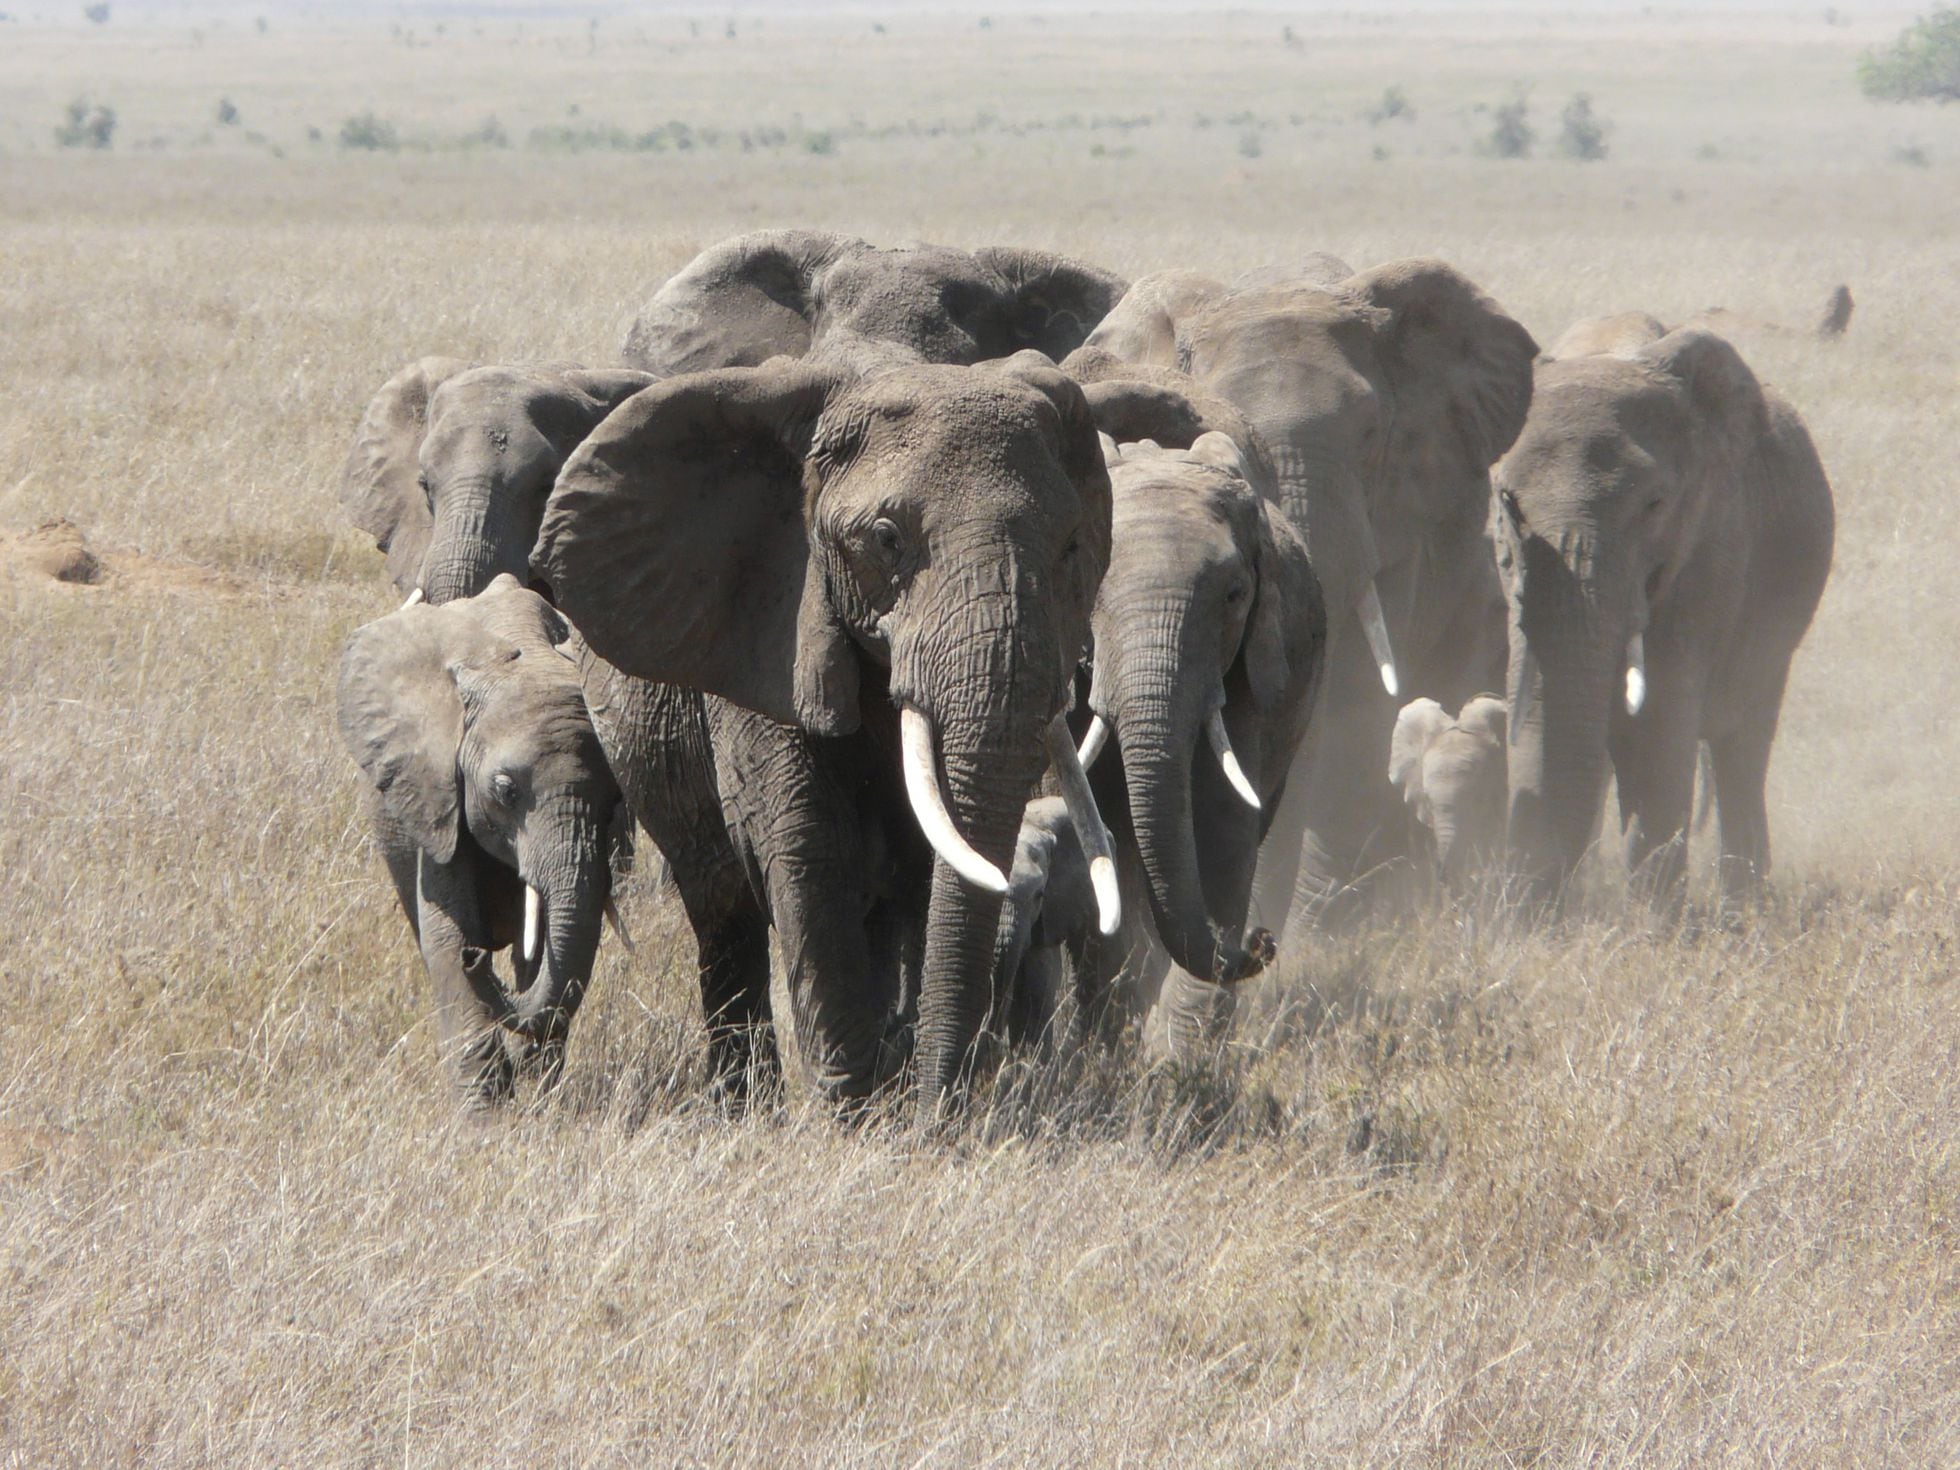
841 301
1451 773
1048 915
451 465
1383 397
450 471
820 553
1657 489
469 724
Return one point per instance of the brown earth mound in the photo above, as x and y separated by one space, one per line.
57 551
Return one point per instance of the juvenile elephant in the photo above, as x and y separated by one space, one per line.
1664 531
1451 773
1050 912
839 300
886 586
468 721
1383 397
452 462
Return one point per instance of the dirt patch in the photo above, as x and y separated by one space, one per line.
57 551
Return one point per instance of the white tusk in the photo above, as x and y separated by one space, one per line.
1376 628
929 806
1636 673
619 924
1221 743
532 902
1093 740
1088 824
413 598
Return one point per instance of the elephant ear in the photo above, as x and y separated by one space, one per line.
1487 716
1131 403
577 399
401 713
1286 632
1079 446
380 485
736 304
1142 327
1460 368
1055 302
523 619
1419 723
676 543
1724 391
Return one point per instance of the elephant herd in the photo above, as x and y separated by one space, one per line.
1024 646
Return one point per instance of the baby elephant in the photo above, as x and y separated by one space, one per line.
1050 911
495 810
1452 776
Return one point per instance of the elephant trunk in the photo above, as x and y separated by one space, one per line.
479 532
575 884
1562 691
987 678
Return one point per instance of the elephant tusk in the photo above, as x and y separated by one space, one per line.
618 923
1221 744
921 763
413 598
1636 673
1088 823
532 903
1093 740
1375 627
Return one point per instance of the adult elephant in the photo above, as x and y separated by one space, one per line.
1383 396
886 583
840 300
1664 534
494 795
451 464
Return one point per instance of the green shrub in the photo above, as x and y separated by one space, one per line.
227 112
86 126
1922 64
367 131
1582 132
1511 134
1394 103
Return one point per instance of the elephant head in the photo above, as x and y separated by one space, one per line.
469 723
920 548
1451 773
1598 509
452 464
840 300
1208 636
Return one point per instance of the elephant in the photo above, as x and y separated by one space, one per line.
468 721
452 462
884 587
1051 910
1452 775
1664 531
1383 397
842 301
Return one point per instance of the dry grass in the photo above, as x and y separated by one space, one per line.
1463 1196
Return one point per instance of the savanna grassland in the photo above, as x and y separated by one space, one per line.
1617 1193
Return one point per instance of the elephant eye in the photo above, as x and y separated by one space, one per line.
422 480
1239 593
505 787
885 536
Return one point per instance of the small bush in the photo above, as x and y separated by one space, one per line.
1912 156
1923 64
488 134
819 142
1511 134
1581 131
367 131
86 126
1250 146
227 113
1395 103
97 14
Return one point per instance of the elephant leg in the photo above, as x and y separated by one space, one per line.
1741 762
798 813
1654 767
1196 1015
1353 828
459 969
733 969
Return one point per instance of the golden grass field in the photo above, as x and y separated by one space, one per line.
1459 1195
